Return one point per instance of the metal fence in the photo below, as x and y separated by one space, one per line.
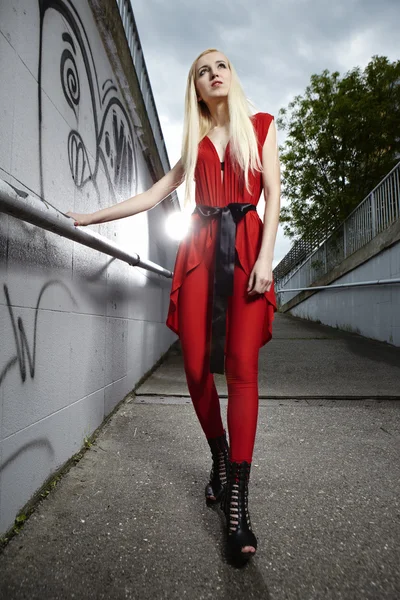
375 213
135 48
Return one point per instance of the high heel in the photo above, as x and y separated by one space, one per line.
234 503
218 475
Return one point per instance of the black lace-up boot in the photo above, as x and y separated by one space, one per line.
234 503
218 476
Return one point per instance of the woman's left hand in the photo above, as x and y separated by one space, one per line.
260 279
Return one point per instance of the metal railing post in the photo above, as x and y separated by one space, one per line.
373 215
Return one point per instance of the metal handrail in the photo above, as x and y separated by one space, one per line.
355 235
21 205
341 285
378 185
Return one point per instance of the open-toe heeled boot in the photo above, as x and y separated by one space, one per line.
234 503
218 476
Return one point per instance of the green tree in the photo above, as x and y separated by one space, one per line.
343 136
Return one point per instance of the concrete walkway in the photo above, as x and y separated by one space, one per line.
129 520
304 360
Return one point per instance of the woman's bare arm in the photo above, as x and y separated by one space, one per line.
272 190
139 203
261 277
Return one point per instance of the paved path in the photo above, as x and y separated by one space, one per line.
130 521
304 360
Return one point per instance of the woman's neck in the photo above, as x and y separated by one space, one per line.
219 115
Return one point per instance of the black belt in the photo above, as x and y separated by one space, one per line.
229 216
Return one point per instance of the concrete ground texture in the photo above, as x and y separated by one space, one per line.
129 520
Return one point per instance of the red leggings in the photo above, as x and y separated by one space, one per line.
245 317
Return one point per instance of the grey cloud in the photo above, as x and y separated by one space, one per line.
274 45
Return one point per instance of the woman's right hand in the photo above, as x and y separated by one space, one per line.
80 219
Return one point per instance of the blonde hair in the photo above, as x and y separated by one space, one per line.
198 122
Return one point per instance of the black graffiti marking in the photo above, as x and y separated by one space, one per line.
24 353
70 14
8 366
111 88
38 443
124 153
21 342
108 148
121 155
69 74
115 149
78 159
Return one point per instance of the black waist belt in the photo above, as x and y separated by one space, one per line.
229 216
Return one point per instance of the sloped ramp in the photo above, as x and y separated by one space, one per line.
303 360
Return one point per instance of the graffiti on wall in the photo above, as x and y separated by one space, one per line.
25 356
97 143
87 141
98 139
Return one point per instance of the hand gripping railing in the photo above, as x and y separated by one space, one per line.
21 205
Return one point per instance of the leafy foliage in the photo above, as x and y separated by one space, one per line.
343 136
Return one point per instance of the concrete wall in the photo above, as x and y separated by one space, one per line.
372 311
78 329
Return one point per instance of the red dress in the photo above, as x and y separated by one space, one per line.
199 244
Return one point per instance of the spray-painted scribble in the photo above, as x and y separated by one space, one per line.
37 444
25 356
101 142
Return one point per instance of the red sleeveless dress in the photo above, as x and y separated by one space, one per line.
199 244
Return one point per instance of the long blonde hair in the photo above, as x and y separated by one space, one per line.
198 122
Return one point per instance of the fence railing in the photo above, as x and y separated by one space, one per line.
350 284
374 214
23 206
135 48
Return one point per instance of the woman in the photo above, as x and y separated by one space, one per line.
222 299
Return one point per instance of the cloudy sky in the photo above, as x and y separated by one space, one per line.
275 47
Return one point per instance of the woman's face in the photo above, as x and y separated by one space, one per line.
212 77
